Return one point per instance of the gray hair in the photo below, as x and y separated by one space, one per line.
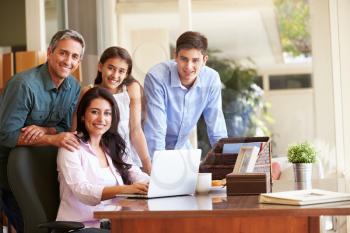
67 34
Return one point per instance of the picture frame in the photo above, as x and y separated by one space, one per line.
246 159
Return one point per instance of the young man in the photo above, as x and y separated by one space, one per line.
36 109
178 92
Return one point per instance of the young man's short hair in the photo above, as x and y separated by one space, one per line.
192 40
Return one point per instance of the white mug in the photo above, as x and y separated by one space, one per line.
203 183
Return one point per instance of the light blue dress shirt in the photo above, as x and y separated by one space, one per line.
173 110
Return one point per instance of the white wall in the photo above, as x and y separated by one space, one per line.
35 25
148 47
294 118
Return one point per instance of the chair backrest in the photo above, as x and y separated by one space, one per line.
32 175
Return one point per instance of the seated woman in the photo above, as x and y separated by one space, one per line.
100 169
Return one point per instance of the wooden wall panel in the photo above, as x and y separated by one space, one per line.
77 74
24 60
42 57
29 59
6 68
1 75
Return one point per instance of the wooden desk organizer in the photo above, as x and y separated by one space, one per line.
220 164
247 184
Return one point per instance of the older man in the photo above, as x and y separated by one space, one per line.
36 109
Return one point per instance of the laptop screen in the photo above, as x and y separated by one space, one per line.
174 172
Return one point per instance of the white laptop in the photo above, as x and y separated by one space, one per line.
174 173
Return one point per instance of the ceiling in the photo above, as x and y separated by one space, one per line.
237 28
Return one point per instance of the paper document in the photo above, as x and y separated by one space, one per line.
303 197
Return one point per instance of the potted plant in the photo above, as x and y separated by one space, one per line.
302 155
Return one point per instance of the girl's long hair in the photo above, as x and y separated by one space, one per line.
116 52
119 52
111 141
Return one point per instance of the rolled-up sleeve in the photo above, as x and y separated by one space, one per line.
14 108
156 122
72 174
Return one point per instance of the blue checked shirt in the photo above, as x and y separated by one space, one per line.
173 110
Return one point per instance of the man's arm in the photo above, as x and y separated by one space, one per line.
56 136
15 106
213 115
67 140
156 120
31 133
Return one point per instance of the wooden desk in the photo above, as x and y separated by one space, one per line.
217 213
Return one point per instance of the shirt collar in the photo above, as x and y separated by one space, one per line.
48 84
174 76
175 79
87 147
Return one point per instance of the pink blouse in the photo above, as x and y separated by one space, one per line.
82 181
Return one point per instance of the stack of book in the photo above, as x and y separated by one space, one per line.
303 197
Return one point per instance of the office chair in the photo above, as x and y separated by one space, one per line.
32 175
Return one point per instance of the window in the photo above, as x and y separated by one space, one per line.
290 81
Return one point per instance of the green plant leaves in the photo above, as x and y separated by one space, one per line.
301 153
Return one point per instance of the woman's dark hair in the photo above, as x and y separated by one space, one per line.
111 141
119 52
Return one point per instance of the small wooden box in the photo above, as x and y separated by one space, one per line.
247 184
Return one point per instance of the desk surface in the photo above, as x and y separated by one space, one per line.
218 204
